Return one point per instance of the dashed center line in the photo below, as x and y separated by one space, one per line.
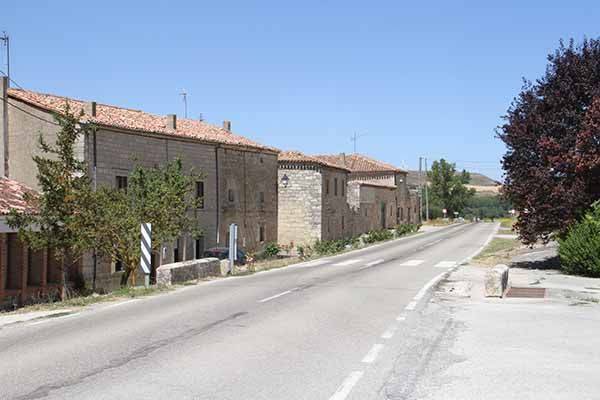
411 306
445 264
401 317
372 354
315 263
346 387
389 333
278 295
372 263
348 262
412 263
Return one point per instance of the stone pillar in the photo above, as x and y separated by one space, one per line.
24 272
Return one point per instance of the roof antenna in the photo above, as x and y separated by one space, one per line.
184 95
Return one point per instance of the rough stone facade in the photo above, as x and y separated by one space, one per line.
113 152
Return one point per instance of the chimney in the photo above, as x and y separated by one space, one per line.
90 108
227 125
4 125
343 158
172 121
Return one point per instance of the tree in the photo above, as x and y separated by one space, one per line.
162 196
65 191
552 134
447 188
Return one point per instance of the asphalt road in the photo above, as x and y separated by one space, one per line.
330 329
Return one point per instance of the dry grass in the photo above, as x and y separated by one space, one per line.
499 251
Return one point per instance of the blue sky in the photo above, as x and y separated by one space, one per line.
428 78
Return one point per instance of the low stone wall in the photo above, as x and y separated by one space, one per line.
184 271
496 281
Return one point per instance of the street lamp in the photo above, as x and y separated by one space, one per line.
285 180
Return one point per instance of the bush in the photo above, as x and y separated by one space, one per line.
271 250
405 229
378 236
579 250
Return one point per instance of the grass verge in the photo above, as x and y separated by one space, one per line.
498 251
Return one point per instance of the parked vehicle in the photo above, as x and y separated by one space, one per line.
222 253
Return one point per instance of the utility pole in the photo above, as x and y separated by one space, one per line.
426 194
6 41
184 95
421 212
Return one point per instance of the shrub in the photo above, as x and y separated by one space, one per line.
579 250
378 236
271 250
405 229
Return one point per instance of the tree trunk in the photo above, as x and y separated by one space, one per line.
125 277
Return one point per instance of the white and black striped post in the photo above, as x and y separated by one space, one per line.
145 259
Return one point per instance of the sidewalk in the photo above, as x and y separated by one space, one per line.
517 348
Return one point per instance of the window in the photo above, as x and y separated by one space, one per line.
261 198
176 255
401 213
366 213
230 195
335 184
342 222
199 247
343 187
118 265
121 182
200 194
391 211
261 233
327 186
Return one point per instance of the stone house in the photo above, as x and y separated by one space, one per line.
24 274
379 189
312 200
239 176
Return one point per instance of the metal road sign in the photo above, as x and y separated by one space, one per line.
145 259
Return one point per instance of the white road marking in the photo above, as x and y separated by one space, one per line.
346 387
389 333
45 320
278 295
411 306
372 264
427 286
348 262
315 263
431 243
401 317
372 354
412 263
445 264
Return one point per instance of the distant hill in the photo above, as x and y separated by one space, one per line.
479 182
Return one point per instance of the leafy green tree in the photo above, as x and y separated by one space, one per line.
163 196
65 191
447 188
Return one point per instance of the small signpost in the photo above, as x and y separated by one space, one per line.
445 212
233 232
146 259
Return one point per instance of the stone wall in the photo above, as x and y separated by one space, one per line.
180 272
300 206
248 197
335 213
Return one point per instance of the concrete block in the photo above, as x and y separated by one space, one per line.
170 274
224 267
496 281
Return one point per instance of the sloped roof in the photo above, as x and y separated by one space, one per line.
11 196
301 158
136 120
359 163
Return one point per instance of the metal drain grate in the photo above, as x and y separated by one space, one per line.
527 292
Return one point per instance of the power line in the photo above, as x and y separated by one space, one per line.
12 80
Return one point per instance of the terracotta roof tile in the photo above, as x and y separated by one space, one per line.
11 196
375 183
136 120
359 163
301 158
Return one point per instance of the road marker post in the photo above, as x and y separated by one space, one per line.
233 232
146 245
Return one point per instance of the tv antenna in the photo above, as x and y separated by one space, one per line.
184 95
354 139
